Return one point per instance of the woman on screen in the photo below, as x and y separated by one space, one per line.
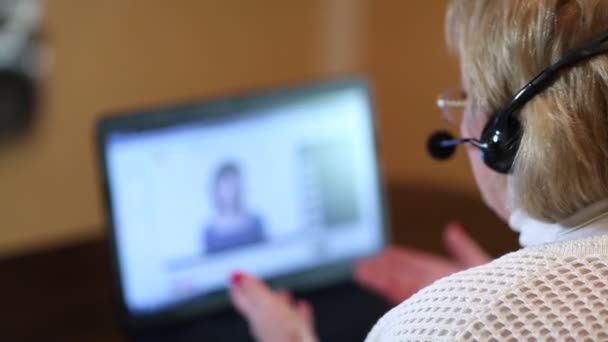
540 160
232 226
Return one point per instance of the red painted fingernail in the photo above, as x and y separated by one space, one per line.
236 278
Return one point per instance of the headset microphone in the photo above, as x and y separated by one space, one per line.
437 147
442 145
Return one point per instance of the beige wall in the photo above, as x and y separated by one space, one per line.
410 66
113 54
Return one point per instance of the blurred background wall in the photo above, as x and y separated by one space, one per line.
117 54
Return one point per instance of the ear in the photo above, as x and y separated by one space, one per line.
473 122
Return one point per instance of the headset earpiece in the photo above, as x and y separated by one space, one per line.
501 137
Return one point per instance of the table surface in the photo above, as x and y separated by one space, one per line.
67 294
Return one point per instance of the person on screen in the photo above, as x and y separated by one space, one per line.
232 226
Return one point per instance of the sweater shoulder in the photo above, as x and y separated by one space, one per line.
514 295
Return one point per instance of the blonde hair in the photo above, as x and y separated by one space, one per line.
562 163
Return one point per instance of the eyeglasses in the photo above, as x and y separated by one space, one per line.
452 103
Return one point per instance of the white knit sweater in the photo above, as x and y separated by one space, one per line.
552 291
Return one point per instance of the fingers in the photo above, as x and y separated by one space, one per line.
239 298
247 292
285 296
462 247
390 282
398 272
272 316
394 260
367 273
378 273
305 311
250 295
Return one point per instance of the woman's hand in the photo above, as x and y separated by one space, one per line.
399 272
272 316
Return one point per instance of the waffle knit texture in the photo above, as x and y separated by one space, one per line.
550 292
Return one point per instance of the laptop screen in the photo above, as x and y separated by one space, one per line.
269 187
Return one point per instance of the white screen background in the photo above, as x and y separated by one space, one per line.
160 185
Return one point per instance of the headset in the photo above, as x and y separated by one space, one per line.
501 136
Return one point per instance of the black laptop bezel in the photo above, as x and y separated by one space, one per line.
214 110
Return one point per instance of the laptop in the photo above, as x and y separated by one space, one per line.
284 184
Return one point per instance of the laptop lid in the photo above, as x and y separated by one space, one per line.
284 184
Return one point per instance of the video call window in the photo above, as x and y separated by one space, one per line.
272 191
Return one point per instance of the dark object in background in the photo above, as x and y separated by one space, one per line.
19 49
17 97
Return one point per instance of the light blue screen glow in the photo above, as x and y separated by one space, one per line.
305 193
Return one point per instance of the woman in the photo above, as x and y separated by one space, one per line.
232 226
555 196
